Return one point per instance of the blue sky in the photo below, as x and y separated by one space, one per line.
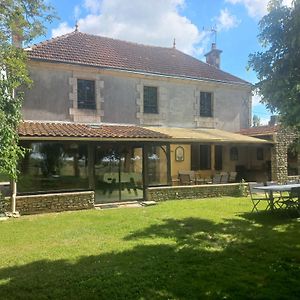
158 22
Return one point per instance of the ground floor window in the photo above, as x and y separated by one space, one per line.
53 167
201 157
115 171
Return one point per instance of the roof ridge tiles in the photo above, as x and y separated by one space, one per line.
96 36
53 39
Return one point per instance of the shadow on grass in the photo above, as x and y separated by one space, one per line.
189 258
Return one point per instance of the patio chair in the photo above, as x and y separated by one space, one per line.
232 177
279 196
257 196
185 179
224 177
217 178
199 179
293 200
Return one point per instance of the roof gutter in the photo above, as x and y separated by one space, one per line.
90 139
160 140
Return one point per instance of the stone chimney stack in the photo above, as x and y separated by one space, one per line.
213 56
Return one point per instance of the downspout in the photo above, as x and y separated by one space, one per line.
17 41
13 196
13 187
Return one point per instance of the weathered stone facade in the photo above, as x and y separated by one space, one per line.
279 164
43 203
192 191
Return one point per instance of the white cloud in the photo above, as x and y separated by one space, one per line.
264 120
226 21
256 8
135 21
63 28
77 12
256 100
260 110
92 5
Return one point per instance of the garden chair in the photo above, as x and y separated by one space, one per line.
257 196
199 179
217 178
293 200
276 195
232 177
224 177
185 179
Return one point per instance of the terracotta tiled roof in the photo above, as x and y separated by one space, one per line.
78 130
92 50
260 130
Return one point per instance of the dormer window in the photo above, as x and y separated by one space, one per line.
150 100
206 104
86 94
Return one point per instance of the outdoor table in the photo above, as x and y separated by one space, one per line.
276 188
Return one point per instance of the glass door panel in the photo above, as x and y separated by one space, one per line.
118 173
131 167
107 161
157 166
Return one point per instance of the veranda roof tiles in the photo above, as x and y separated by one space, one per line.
37 129
260 130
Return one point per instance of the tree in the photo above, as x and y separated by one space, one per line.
256 121
278 67
20 21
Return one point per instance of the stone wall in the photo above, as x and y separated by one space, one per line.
42 203
192 191
4 204
57 83
283 140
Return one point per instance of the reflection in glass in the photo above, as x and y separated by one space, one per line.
157 166
118 172
53 167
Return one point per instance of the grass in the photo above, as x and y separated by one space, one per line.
189 249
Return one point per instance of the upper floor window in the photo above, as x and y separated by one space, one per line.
206 104
150 100
86 94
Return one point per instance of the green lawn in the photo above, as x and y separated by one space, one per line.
191 249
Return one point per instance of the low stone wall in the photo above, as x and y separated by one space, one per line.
193 191
4 204
294 178
42 203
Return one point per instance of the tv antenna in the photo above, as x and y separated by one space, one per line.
214 32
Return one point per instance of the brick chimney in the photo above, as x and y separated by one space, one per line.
213 56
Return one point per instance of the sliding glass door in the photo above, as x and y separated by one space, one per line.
118 173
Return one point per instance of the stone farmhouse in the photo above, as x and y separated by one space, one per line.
107 119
